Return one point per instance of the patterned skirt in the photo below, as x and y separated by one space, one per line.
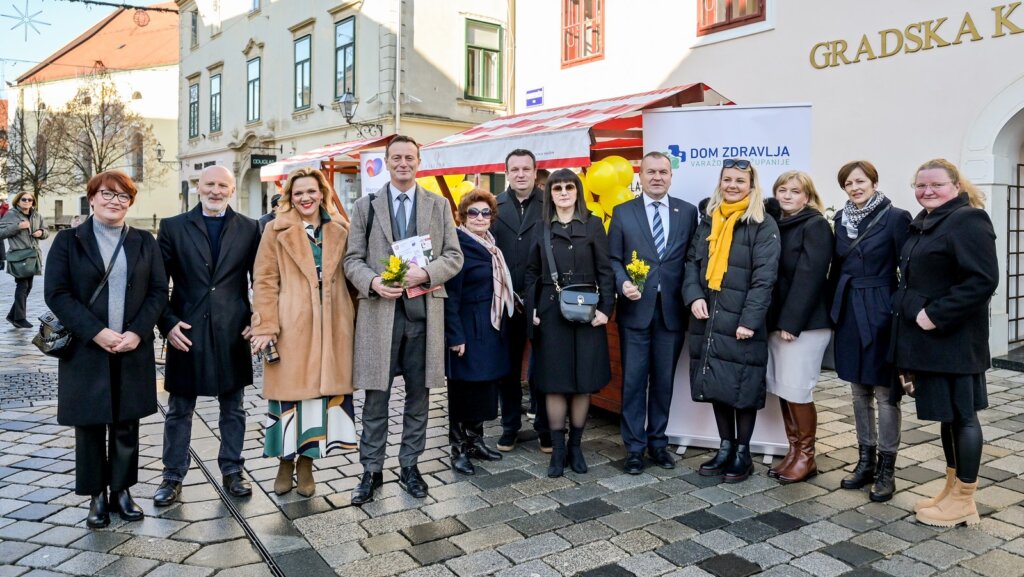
312 428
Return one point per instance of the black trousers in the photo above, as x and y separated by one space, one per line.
107 455
510 390
23 286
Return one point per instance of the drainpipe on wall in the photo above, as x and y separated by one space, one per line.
398 72
511 67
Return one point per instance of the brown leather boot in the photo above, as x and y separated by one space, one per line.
925 503
283 482
803 467
958 507
304 476
790 425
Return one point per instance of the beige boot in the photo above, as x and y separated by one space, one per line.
925 503
283 482
304 476
958 507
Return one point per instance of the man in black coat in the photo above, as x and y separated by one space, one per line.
652 321
209 254
515 231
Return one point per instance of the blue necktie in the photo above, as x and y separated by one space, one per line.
659 231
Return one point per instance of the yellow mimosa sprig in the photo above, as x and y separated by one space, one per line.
394 271
637 270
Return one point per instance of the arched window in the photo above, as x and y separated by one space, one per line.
137 157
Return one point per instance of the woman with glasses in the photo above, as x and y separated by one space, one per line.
571 358
730 271
23 227
869 232
106 283
948 273
302 306
480 300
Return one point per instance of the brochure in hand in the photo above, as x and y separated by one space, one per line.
416 250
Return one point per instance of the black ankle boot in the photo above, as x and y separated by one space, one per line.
885 480
864 472
122 502
99 516
557 466
575 456
475 445
460 460
741 465
715 467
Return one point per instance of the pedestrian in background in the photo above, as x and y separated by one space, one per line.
269 217
208 255
106 284
571 358
799 329
23 227
4 207
948 273
730 271
869 232
476 318
651 317
301 303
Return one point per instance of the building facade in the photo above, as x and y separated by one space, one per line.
896 83
133 52
263 80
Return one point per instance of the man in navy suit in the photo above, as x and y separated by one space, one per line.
652 321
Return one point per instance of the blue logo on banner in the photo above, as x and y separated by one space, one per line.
535 97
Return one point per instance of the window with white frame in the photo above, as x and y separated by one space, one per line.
215 103
193 110
345 57
252 99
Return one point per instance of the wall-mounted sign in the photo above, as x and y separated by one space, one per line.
917 36
534 97
258 160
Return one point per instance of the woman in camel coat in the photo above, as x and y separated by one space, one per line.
301 303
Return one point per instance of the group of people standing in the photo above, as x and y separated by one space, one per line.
759 283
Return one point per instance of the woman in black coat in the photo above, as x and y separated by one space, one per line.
730 270
23 227
949 272
798 325
571 359
107 381
476 332
870 232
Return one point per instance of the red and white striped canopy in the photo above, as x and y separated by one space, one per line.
560 137
312 159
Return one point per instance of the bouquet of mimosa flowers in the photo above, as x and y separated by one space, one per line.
394 271
637 270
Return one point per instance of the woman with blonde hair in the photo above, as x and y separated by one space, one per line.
302 306
798 325
730 270
869 233
948 273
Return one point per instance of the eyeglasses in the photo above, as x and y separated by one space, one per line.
122 197
25 198
736 163
924 187
567 187
479 212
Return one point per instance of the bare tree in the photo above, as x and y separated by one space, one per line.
104 133
35 152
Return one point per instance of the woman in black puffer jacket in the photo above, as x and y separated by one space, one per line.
730 271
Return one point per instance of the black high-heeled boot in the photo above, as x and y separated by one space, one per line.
715 466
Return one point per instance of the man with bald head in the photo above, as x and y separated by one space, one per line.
208 254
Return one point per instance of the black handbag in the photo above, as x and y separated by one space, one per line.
576 302
23 262
53 338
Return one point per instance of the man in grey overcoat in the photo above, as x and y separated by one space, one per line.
397 335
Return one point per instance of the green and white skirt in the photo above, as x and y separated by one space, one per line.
312 428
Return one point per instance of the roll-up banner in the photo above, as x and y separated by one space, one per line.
775 139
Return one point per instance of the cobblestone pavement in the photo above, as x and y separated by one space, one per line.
509 520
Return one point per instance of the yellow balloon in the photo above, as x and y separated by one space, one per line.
607 224
464 187
429 183
453 180
622 168
616 197
602 178
588 194
595 209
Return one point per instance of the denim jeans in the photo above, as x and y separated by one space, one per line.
887 436
178 434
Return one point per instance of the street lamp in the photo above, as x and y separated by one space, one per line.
160 155
349 103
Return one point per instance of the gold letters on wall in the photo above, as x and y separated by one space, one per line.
915 37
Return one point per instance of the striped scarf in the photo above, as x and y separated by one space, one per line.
502 297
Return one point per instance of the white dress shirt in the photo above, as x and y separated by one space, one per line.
408 203
663 209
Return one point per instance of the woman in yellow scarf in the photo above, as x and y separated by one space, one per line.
730 272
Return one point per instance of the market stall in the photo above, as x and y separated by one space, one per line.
573 136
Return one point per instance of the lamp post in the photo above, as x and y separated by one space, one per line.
349 103
160 156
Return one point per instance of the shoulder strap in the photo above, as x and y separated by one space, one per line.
110 267
550 255
861 236
369 218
